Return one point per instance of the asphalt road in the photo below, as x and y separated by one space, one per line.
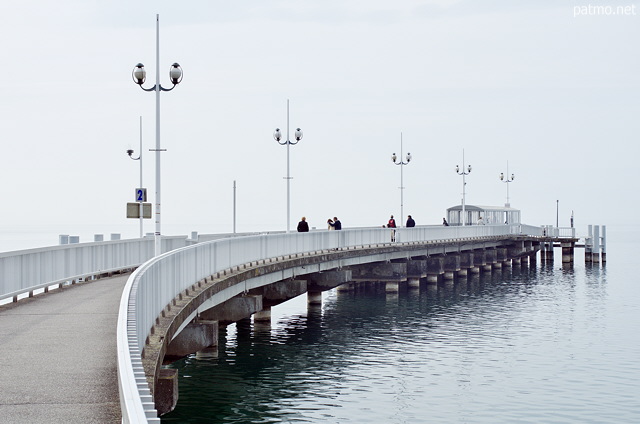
58 360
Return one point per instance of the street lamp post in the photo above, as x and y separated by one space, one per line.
277 134
130 153
139 76
401 164
464 187
507 180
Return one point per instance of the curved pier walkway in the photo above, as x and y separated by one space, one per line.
58 355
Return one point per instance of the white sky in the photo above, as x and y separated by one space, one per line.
526 82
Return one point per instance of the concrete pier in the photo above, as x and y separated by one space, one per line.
451 266
435 268
263 315
567 251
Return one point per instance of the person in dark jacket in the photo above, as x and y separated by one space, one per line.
336 224
303 227
444 222
410 222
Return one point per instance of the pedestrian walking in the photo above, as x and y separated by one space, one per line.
444 222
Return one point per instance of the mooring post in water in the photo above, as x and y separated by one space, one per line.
603 256
588 244
595 254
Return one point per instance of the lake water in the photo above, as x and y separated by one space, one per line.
543 344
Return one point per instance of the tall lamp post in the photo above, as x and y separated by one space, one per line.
139 76
464 187
278 136
507 180
130 153
401 164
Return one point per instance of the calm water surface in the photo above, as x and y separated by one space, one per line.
544 344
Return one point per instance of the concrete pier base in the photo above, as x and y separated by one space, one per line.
464 272
194 337
432 278
487 267
475 270
346 287
414 283
448 275
392 287
314 298
497 265
516 262
567 252
263 316
166 393
207 353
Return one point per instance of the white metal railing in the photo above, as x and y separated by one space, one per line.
558 232
25 271
155 283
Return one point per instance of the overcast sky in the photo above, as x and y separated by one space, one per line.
528 82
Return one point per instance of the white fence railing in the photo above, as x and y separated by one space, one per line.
154 284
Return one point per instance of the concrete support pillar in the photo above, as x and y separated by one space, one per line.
479 261
466 260
326 280
549 251
524 260
603 245
392 287
263 315
595 254
435 268
588 244
517 261
346 287
379 271
166 392
567 252
451 266
516 250
416 268
233 309
314 298
194 337
414 283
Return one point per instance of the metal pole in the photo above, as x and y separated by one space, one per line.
557 209
508 181
158 236
141 200
464 185
401 182
234 206
288 174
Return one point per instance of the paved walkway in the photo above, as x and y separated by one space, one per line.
58 359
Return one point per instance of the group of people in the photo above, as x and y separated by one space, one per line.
335 224
392 222
332 224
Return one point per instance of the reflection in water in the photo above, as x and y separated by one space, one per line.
522 344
